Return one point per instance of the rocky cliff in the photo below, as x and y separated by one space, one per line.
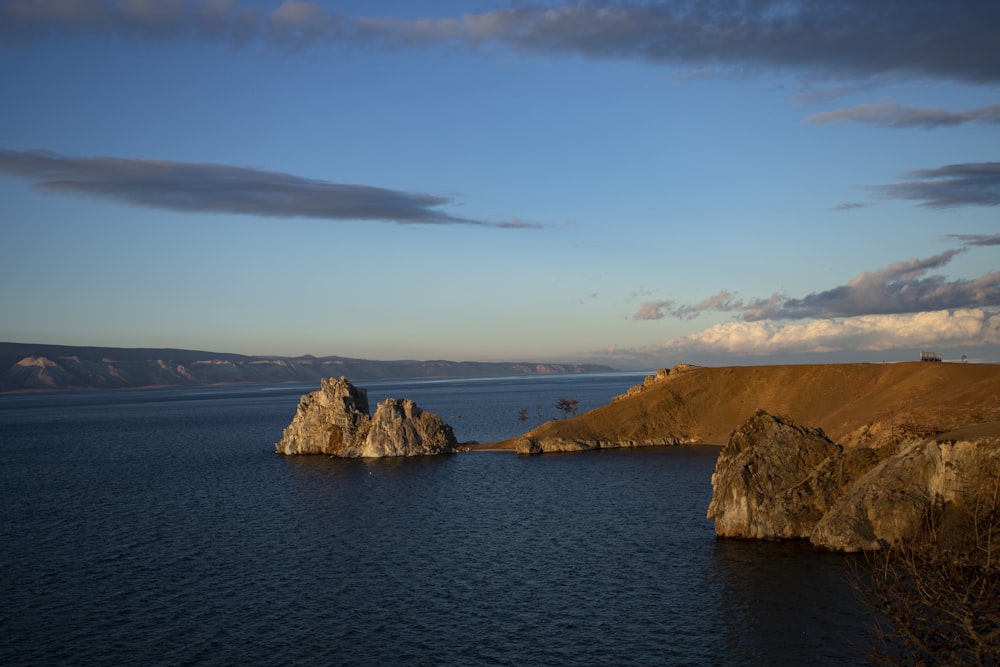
778 480
334 420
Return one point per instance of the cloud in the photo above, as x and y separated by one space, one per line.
888 114
970 184
724 301
977 239
215 188
849 206
849 38
653 310
901 287
943 328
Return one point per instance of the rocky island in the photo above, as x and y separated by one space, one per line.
334 420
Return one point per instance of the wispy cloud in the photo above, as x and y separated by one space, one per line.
901 287
656 310
849 206
889 114
977 239
215 188
849 38
971 184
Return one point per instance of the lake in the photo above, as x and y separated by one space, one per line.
158 527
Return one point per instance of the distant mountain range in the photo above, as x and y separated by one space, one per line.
26 366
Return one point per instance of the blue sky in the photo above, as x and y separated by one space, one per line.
631 183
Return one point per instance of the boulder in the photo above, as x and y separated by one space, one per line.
400 428
774 480
944 475
335 421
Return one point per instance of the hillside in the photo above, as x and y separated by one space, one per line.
29 367
852 403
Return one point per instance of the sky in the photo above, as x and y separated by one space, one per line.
636 184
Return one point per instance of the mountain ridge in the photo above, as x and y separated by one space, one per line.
43 367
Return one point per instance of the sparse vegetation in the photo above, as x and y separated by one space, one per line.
936 597
568 406
522 415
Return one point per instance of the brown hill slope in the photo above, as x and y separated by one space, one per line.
851 402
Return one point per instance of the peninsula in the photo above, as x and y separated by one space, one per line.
849 457
854 404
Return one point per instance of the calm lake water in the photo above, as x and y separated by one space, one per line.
157 527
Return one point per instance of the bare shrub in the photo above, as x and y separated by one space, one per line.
935 598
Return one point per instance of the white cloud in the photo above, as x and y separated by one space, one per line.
942 328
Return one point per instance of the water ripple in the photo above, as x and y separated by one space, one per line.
165 532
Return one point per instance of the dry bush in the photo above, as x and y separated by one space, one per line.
936 597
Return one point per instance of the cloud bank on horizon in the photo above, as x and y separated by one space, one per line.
970 327
899 304
856 43
902 287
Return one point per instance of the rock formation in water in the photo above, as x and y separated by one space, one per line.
334 420
777 480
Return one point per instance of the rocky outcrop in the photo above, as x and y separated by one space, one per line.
773 480
946 474
778 480
400 428
530 446
335 421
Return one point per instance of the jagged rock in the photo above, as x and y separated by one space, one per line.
400 428
774 480
334 420
891 501
777 480
530 446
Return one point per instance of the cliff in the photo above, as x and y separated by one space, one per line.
30 367
854 404
778 480
334 420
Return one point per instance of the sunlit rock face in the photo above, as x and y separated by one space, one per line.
949 475
774 480
334 420
400 428
777 480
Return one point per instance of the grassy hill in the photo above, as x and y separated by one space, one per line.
697 404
